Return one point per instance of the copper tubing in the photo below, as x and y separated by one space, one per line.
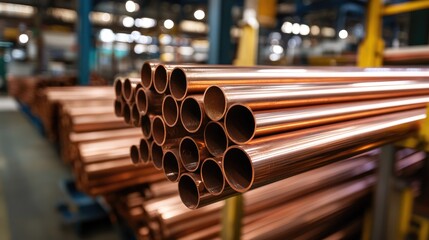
144 150
172 165
96 122
117 85
135 154
161 133
146 74
129 88
217 99
170 111
160 80
157 151
184 81
192 152
146 125
242 124
148 102
193 193
250 166
135 116
212 177
215 138
192 113
118 105
127 114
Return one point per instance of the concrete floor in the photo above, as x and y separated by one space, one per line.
30 170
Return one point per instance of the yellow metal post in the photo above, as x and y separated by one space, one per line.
232 213
405 7
371 50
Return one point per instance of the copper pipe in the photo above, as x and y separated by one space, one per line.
149 102
170 111
96 122
242 124
117 85
127 114
135 154
186 81
160 81
247 166
193 193
103 135
217 99
172 165
162 189
161 133
146 74
146 125
144 150
104 155
215 138
135 116
192 113
192 152
157 151
129 88
212 177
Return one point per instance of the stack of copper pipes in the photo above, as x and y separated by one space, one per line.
221 130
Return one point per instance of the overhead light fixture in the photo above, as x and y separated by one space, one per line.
304 30
23 38
107 35
296 28
128 22
315 30
287 27
145 22
199 14
343 34
168 24
131 6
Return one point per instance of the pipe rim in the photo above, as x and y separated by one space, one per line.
127 89
188 191
191 112
157 155
118 106
144 151
160 80
142 100
213 143
215 104
170 165
189 154
170 111
146 75
158 130
118 87
135 115
135 154
238 169
178 84
146 126
127 114
211 178
240 123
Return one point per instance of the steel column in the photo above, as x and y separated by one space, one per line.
84 40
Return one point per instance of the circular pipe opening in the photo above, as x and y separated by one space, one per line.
127 114
146 75
188 192
146 126
141 101
118 87
160 79
135 114
178 84
212 176
240 124
215 138
191 115
157 155
170 111
171 166
118 108
135 155
158 130
144 151
238 169
214 103
128 89
189 154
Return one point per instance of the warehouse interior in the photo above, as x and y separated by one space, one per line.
210 119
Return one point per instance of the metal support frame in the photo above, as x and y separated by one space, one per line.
220 22
84 40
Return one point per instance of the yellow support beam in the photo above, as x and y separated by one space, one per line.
232 213
405 7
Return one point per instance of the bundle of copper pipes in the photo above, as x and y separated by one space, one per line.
222 130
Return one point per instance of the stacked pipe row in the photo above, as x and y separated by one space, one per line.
221 130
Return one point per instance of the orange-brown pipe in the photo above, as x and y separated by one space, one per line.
192 113
170 111
149 102
146 74
215 138
192 152
172 165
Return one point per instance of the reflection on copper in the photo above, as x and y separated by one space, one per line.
160 81
146 74
146 125
248 166
129 88
161 132
213 179
170 111
242 124
148 101
172 165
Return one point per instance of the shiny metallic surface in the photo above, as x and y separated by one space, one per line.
192 113
186 81
117 85
129 88
148 102
192 152
268 159
146 125
146 74
215 138
170 111
161 132
212 177
160 81
242 124
217 99
172 165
